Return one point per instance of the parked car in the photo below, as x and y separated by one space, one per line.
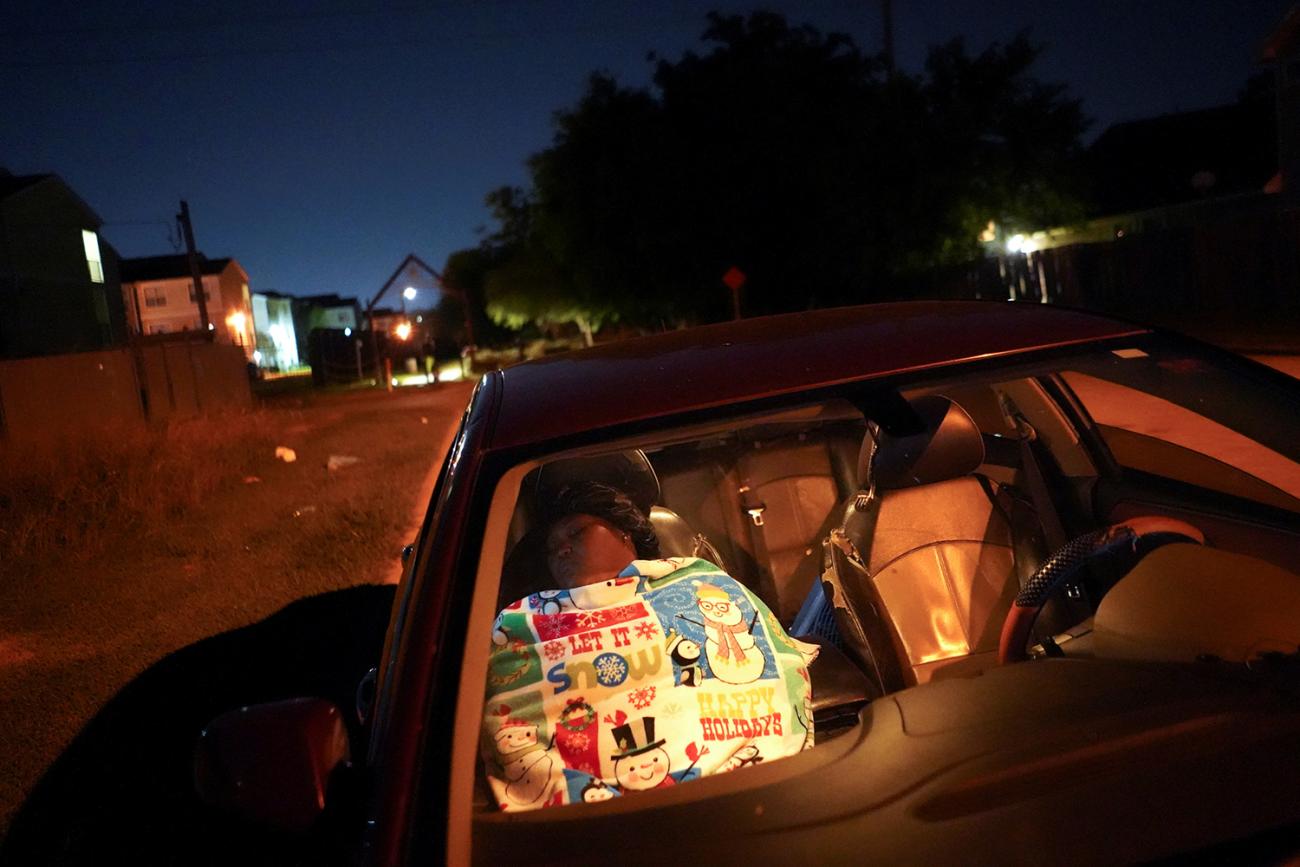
1057 558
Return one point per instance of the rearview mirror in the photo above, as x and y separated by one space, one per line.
272 763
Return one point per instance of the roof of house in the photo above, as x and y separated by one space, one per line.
732 362
168 267
1282 40
10 184
1185 156
328 300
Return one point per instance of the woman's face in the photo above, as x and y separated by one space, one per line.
584 549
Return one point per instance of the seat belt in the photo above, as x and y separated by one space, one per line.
1048 517
1047 514
753 509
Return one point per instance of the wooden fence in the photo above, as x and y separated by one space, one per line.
60 395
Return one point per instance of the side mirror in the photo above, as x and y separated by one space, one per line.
272 763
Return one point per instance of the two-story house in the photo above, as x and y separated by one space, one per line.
160 298
59 289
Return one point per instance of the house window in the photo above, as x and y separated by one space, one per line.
157 329
90 241
207 294
154 296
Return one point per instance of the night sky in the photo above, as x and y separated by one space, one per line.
319 143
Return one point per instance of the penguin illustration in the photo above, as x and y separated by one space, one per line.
549 603
685 654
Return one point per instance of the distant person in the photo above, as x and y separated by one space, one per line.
430 361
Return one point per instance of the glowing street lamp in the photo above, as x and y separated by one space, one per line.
237 321
409 293
403 331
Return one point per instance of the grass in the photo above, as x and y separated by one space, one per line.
75 497
120 553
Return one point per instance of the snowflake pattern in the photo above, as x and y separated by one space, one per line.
646 629
549 626
611 669
671 709
588 619
553 650
626 612
641 698
578 741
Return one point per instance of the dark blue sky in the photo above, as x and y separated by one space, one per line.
319 143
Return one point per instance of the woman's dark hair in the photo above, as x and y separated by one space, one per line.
609 504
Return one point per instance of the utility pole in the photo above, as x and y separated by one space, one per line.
187 229
887 16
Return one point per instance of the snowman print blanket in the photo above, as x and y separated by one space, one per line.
669 672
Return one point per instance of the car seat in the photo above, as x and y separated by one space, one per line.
922 569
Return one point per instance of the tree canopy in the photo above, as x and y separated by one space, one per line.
787 153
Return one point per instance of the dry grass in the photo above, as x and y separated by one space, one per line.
120 553
76 497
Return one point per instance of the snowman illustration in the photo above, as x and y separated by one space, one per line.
729 644
530 771
642 763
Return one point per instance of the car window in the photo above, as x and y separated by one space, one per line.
1145 431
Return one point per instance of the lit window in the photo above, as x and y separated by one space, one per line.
90 241
154 296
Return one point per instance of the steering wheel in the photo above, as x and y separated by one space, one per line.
1137 536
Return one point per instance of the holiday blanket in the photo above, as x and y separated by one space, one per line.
671 671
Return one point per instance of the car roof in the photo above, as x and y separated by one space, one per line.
714 365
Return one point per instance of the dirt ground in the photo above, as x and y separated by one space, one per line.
105 662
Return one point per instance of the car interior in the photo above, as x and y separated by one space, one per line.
903 541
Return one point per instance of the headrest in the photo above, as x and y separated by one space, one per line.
948 446
629 471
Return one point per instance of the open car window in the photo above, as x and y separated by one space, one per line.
1216 440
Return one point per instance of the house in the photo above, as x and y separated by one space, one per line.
160 299
273 321
59 289
1185 157
330 312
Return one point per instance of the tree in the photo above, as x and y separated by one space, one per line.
524 282
792 155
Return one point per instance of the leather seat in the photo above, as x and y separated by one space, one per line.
922 570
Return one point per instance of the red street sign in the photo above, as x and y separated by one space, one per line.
734 278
